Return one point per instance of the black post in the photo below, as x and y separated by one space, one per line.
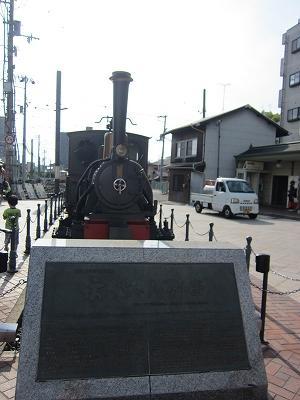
38 222
172 219
28 238
160 217
58 203
12 254
55 207
57 131
51 211
211 232
263 266
248 250
62 201
45 217
187 227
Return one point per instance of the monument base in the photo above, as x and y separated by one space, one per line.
139 320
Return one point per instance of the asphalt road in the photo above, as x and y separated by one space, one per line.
275 236
278 237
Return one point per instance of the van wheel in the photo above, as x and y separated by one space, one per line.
252 216
198 208
227 212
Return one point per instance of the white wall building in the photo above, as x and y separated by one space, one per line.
289 95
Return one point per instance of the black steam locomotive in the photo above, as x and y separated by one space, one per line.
108 194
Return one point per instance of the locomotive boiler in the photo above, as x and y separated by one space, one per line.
112 198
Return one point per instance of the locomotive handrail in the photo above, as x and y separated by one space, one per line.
84 174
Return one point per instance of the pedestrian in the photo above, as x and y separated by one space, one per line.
2 179
6 189
11 216
292 195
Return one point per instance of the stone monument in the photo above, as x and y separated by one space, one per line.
139 320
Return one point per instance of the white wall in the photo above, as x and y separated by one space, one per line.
238 132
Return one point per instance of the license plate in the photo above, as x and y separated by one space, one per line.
245 209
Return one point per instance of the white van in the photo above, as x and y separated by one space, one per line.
229 196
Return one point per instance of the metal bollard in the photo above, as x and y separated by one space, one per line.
248 251
187 227
172 219
51 211
263 266
12 263
55 207
211 232
58 204
45 217
38 222
160 217
62 201
28 238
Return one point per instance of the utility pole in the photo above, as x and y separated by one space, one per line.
57 131
39 159
10 132
10 117
224 89
44 164
31 160
204 103
25 80
162 137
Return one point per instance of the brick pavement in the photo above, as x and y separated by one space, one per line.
281 356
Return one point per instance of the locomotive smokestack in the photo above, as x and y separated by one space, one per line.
121 82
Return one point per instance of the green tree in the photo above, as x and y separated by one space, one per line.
273 116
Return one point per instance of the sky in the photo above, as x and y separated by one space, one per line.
173 49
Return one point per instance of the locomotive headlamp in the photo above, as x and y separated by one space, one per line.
121 150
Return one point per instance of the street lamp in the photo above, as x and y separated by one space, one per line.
24 79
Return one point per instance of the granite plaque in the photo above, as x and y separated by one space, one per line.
108 320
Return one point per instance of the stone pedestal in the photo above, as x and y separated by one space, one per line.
139 320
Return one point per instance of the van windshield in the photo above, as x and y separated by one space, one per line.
239 187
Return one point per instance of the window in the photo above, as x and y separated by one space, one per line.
295 79
296 45
239 187
220 187
293 114
186 148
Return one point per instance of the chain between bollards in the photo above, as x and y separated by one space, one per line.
45 217
28 238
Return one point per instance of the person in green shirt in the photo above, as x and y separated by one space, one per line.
11 216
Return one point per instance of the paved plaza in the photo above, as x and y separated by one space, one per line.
271 234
